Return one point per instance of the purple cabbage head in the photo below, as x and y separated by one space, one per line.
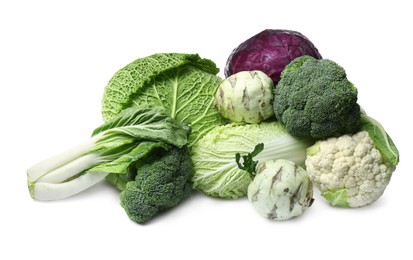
269 51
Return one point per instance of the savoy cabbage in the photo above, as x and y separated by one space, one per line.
182 84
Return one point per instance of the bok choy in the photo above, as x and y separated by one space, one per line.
113 148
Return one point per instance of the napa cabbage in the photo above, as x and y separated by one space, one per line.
217 172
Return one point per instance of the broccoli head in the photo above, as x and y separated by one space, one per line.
162 181
314 99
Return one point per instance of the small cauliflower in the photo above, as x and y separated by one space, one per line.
353 170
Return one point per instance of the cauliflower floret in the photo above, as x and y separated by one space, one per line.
348 170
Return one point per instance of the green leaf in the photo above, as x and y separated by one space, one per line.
336 197
132 134
182 84
121 164
381 139
314 149
248 163
151 124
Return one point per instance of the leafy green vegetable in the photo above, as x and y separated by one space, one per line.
381 139
114 146
183 84
336 197
162 181
248 163
216 171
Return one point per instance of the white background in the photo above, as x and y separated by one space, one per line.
57 56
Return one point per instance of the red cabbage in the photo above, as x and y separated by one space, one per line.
270 51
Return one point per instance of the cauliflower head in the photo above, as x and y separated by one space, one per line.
352 170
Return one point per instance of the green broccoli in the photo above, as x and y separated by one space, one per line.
314 99
161 182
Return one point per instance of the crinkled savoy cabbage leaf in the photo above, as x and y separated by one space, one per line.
183 84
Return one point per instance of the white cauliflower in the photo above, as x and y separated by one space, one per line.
353 170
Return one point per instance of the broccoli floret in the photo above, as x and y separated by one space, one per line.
161 182
314 99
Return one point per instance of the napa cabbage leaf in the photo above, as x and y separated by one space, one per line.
215 156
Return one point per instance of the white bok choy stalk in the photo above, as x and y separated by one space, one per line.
113 147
